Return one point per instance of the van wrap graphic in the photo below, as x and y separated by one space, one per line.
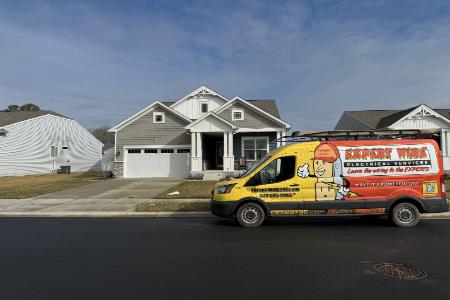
327 168
392 160
341 172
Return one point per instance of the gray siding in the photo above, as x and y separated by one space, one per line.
144 132
237 141
252 119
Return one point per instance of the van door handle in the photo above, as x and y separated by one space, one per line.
295 184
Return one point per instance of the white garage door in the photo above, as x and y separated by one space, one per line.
156 163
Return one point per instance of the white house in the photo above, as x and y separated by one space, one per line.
434 123
38 142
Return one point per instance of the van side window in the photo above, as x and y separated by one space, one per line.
280 169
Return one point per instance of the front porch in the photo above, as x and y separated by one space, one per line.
215 153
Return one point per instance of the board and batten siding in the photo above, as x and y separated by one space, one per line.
26 148
428 122
143 132
191 106
252 119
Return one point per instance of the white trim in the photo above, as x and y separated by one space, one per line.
201 90
156 146
189 126
157 113
143 112
246 138
421 108
235 110
268 129
235 99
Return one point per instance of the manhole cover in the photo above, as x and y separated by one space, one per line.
400 271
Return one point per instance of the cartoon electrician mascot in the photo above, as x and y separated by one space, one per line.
328 171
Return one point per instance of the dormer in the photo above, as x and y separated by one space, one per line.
199 102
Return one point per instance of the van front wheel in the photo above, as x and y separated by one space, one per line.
405 215
250 215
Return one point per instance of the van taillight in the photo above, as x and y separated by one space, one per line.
443 194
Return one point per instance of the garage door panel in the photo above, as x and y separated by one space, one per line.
156 165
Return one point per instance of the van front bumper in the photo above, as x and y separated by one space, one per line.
223 208
435 205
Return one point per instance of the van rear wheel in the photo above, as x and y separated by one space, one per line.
250 215
405 215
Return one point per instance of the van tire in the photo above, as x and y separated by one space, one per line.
405 215
250 215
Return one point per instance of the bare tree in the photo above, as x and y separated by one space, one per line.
102 134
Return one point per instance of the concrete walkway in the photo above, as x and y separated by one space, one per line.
116 195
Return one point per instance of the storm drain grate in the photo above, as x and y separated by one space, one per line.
400 271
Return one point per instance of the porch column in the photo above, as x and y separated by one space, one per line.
283 133
228 158
196 155
193 145
279 134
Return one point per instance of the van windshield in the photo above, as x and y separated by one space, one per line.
254 166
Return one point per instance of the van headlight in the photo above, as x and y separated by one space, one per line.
225 189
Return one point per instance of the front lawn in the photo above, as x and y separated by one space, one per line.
172 206
19 187
190 189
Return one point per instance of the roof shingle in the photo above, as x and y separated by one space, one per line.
376 119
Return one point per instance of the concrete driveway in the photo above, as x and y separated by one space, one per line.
111 195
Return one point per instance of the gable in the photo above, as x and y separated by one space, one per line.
421 117
189 105
143 131
144 112
252 119
211 123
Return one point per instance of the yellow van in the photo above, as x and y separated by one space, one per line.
402 178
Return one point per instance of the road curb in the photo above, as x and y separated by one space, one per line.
161 214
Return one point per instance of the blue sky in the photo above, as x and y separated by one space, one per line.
101 61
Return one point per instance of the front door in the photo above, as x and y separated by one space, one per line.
219 155
277 185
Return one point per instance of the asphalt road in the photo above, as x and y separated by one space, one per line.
209 258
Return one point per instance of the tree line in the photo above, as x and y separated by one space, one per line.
25 107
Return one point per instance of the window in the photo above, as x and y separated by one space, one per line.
134 151
203 107
65 148
159 117
167 151
54 151
237 115
255 148
278 170
183 150
151 151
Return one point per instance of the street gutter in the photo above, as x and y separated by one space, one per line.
162 214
